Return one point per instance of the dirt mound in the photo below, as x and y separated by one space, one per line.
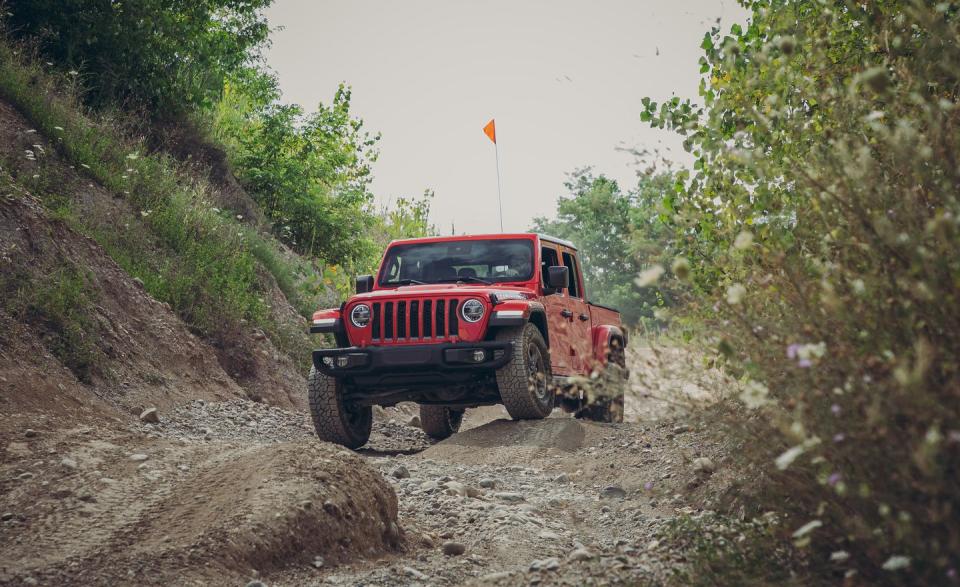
523 440
183 510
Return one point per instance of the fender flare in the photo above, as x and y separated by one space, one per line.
603 336
518 313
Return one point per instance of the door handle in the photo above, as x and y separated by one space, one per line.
584 317
566 313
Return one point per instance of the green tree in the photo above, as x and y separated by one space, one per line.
617 234
164 55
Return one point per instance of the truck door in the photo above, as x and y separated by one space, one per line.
579 330
558 321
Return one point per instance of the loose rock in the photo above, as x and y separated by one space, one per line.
401 472
139 457
150 416
613 492
453 548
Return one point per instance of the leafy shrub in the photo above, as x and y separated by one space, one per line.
308 172
822 225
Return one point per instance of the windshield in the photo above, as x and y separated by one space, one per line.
474 261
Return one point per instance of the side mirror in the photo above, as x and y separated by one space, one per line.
364 283
558 277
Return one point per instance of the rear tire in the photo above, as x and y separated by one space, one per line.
525 383
335 420
440 422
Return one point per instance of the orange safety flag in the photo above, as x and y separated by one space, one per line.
491 131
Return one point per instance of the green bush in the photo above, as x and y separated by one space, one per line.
165 56
309 173
822 225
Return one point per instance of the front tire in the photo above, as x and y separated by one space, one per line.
335 420
525 382
440 422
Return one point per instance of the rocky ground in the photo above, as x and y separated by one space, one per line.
234 485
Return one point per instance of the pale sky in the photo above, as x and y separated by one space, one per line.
563 79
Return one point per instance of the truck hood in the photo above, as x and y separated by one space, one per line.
441 289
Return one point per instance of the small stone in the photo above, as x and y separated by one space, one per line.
414 421
68 463
488 483
580 554
548 535
318 562
453 548
256 584
400 472
613 492
551 564
495 577
412 572
25 476
561 478
6 517
507 496
455 488
429 485
704 465
150 416
139 457
30 433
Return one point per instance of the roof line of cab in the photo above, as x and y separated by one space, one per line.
543 237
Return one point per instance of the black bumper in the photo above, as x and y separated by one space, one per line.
448 357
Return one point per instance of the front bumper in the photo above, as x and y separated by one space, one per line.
384 360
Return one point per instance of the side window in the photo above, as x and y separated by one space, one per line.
548 258
571 264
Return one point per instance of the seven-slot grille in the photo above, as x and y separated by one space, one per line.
418 319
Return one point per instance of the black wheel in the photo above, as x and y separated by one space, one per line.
334 419
525 382
440 422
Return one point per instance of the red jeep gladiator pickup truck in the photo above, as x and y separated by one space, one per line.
459 322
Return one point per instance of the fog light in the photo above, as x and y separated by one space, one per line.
343 361
328 361
479 356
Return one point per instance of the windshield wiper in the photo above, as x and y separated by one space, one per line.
466 278
405 282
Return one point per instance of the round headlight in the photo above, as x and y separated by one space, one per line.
472 310
360 315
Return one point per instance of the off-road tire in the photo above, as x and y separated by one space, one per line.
440 422
526 389
333 419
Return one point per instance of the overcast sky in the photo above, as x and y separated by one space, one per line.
563 79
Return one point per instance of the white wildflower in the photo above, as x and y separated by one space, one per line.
791 454
839 556
649 276
133 156
787 458
735 294
59 128
807 528
680 268
744 240
755 395
896 563
859 287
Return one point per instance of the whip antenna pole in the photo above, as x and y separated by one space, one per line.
491 131
496 150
